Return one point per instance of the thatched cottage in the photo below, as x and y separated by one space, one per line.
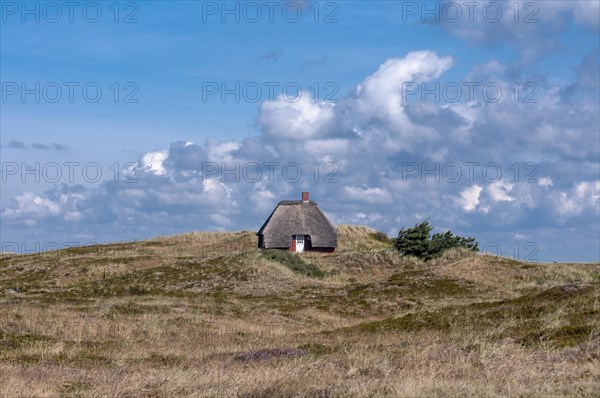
298 225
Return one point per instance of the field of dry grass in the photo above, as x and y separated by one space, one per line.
209 315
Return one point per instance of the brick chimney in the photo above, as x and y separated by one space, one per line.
305 196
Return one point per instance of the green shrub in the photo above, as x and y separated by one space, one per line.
418 242
294 262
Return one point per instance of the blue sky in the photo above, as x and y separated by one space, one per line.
394 149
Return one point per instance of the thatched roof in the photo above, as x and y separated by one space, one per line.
296 217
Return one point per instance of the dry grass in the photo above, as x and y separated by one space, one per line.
173 316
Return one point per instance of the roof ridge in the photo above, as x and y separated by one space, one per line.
296 202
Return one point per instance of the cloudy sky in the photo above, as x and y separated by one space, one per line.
124 121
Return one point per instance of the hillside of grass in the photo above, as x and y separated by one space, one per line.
210 315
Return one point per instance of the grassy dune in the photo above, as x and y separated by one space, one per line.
208 314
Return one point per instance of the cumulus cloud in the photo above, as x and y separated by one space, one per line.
295 120
379 98
55 204
153 161
585 195
499 191
469 198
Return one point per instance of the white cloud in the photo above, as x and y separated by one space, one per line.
469 198
328 149
583 196
154 162
31 207
302 120
384 94
375 111
499 191
219 152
